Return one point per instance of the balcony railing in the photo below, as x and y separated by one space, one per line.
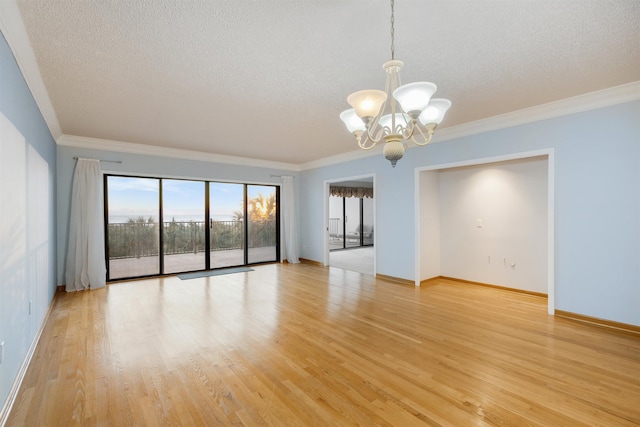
140 239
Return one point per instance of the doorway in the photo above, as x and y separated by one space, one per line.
350 224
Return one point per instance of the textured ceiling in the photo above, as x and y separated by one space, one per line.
267 79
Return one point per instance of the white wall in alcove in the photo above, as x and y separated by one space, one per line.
493 223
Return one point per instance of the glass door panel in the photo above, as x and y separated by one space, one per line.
226 224
336 224
367 221
183 225
352 221
262 214
132 227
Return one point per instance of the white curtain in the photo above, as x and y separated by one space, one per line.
85 254
289 209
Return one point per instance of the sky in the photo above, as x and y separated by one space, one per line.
134 197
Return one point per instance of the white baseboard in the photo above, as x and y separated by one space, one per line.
13 393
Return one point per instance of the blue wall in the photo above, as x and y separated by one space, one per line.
597 204
27 218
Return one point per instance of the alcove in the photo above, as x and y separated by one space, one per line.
488 221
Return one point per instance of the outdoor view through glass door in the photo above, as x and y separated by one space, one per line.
226 225
183 225
132 226
162 226
350 222
262 223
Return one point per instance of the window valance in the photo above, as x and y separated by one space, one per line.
352 192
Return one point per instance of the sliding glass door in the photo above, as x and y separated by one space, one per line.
132 226
183 231
262 224
367 221
226 224
163 226
350 222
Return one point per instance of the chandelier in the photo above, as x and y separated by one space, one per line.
409 114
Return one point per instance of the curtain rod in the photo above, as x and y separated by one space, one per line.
108 161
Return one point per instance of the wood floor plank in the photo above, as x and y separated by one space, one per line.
302 345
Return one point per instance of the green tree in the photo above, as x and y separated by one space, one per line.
262 207
142 236
262 215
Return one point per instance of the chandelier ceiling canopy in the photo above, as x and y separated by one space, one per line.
399 113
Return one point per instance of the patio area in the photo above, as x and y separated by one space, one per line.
178 263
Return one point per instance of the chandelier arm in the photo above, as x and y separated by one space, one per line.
375 132
408 131
376 120
368 143
426 138
377 135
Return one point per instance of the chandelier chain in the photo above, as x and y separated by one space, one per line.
393 42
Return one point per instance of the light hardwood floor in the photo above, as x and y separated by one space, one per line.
302 345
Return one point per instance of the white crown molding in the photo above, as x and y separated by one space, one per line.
577 104
342 158
590 101
15 33
174 153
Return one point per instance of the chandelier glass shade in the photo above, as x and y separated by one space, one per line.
399 113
